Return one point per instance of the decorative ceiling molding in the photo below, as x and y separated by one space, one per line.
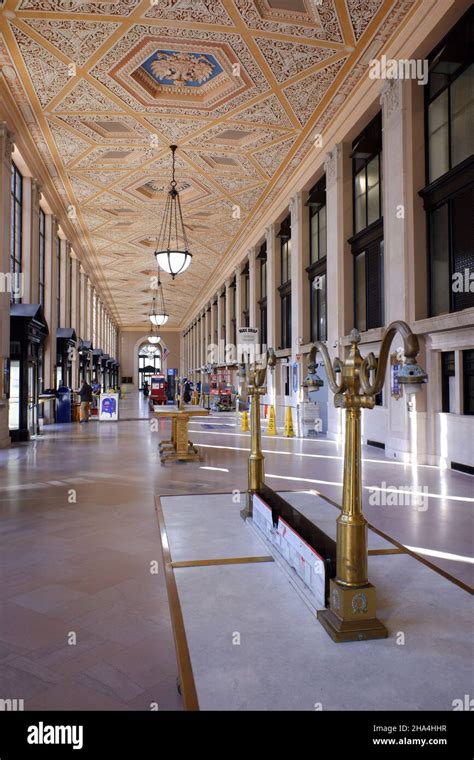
240 86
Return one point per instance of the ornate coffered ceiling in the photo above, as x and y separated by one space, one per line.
240 85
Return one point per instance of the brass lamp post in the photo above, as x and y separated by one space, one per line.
256 388
180 394
351 614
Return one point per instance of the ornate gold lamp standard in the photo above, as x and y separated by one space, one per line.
256 388
355 383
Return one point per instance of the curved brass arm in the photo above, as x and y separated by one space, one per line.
331 369
411 348
256 375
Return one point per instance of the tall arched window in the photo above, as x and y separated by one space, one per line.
149 363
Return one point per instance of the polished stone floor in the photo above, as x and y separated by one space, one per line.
84 621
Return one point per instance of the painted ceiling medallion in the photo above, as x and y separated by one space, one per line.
178 68
174 72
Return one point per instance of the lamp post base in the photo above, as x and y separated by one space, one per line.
351 616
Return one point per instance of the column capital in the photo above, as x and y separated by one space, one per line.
391 97
270 233
8 140
330 164
295 204
36 187
55 224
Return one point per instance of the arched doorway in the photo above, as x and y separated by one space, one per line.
149 363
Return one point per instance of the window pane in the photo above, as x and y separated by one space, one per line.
360 201
288 260
322 232
462 249
322 309
263 279
440 277
438 136
314 238
462 115
361 319
314 310
382 283
468 372
447 381
381 181
373 211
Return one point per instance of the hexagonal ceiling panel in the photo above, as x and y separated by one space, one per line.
105 86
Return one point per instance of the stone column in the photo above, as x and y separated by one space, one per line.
273 297
207 327
220 319
213 325
238 303
75 297
90 315
64 284
6 148
31 240
339 274
50 310
399 266
26 234
83 304
202 356
253 273
228 317
273 303
300 331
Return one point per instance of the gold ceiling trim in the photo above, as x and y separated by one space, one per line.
273 109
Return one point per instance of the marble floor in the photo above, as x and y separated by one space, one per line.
84 620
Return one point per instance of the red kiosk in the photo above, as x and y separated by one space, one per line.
158 388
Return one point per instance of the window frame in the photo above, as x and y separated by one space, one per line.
41 256
462 26
317 267
370 239
58 281
372 136
16 217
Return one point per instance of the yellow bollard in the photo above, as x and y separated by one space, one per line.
288 431
244 422
272 428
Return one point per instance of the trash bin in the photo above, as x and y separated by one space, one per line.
63 404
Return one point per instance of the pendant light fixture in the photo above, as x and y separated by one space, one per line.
153 338
158 314
172 254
